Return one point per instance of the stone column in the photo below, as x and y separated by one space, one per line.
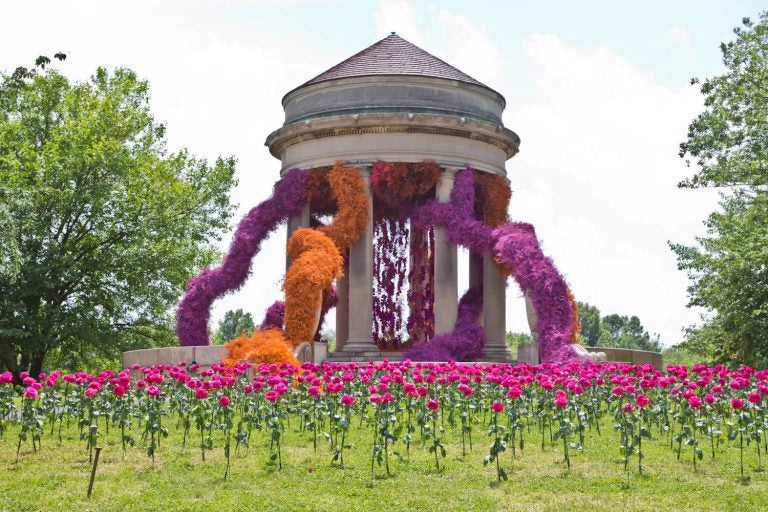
299 221
446 281
494 311
476 275
342 310
360 279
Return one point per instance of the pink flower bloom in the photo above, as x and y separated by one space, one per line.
200 393
627 407
224 401
422 391
271 396
642 400
754 397
694 402
433 404
497 407
737 403
374 398
91 391
514 392
30 392
119 390
141 384
347 400
153 391
561 401
709 398
618 390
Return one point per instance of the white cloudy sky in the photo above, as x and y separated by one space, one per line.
597 90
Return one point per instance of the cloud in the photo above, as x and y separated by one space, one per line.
459 40
400 16
682 38
597 175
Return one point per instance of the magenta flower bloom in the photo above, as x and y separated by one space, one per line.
642 400
91 391
709 398
561 401
754 397
627 407
694 401
224 401
374 398
347 400
497 407
271 396
514 392
201 393
153 391
433 404
737 403
30 392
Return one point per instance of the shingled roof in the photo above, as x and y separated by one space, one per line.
393 55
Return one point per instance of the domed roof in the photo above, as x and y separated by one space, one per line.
393 55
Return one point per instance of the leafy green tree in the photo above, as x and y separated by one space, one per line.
589 320
234 324
614 330
728 142
106 226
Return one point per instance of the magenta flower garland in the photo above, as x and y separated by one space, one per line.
194 311
421 280
390 259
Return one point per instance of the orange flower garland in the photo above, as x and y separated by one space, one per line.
322 199
264 346
396 183
492 195
352 216
575 326
315 263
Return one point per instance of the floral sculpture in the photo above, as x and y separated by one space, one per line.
405 214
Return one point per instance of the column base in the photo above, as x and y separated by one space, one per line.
497 354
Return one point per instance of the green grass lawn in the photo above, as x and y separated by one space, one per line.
56 478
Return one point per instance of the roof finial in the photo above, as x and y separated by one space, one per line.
392 34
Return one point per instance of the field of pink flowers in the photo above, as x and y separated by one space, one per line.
499 410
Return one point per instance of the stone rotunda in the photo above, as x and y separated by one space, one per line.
395 102
390 160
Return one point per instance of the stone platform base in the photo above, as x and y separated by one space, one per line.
527 353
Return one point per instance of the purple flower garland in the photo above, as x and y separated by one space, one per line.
194 309
517 248
465 342
274 317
